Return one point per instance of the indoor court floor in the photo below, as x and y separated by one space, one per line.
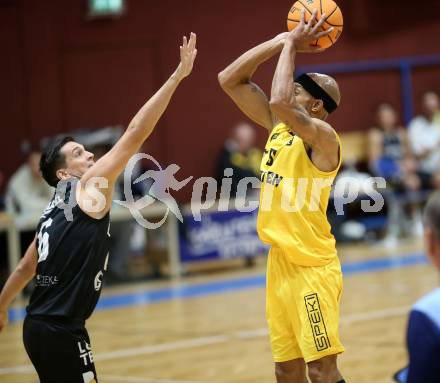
211 328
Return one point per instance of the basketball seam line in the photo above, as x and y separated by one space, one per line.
305 7
320 6
323 30
317 41
333 25
334 10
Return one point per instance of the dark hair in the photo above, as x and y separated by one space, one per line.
431 213
52 160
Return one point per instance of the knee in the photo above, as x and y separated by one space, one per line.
316 375
283 374
321 372
288 373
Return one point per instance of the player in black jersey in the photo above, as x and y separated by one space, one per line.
70 251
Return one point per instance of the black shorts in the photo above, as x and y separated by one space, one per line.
59 350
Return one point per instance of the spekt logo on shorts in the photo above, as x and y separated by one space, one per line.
317 322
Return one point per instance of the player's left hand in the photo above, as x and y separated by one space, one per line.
307 32
188 53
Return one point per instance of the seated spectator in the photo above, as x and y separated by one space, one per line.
240 154
423 334
390 157
27 193
389 152
424 134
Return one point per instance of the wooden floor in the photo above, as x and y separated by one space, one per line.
222 338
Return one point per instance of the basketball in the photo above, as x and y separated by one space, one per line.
329 7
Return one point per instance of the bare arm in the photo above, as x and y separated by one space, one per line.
236 81
316 133
113 163
20 277
283 102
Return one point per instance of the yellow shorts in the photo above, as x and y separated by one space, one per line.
302 308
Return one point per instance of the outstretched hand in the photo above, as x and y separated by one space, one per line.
188 53
306 33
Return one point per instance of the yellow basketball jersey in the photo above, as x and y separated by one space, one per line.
293 201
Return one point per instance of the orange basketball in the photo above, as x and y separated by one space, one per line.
329 7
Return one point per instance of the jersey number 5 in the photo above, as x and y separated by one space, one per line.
272 154
43 241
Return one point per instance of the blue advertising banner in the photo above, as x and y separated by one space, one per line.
220 235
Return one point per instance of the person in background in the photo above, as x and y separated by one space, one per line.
423 333
424 134
389 151
240 154
390 157
27 193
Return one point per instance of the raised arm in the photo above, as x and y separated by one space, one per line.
20 277
315 132
236 81
113 163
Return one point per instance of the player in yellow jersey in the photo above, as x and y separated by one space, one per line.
302 157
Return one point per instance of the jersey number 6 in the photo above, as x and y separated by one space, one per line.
43 241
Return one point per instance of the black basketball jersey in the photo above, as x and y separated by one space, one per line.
73 252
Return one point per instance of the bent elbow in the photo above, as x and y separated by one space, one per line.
222 79
278 104
225 82
274 103
229 80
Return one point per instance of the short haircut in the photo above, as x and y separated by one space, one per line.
431 214
52 159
